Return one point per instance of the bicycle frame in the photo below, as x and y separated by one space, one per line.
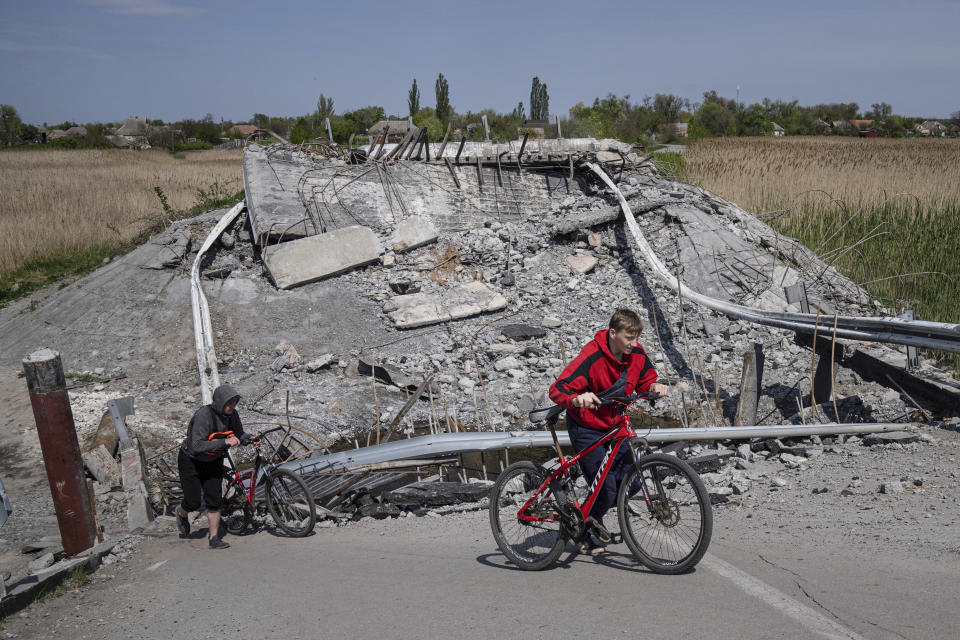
256 475
616 437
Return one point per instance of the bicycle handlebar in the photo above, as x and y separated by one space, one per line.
539 415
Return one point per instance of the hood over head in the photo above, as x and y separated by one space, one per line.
222 395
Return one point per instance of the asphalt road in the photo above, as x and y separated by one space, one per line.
429 578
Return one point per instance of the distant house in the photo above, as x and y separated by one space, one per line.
778 130
53 134
243 129
250 131
861 125
821 125
840 125
931 128
395 130
678 129
133 134
76 132
868 133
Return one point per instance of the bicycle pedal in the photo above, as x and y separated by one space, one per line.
616 538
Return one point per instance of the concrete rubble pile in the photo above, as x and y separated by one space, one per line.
509 295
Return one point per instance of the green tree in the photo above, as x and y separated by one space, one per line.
539 100
301 131
413 99
879 111
427 117
518 111
260 120
668 106
712 119
324 110
443 99
10 121
752 121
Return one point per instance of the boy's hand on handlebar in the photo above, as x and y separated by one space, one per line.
232 441
659 389
588 400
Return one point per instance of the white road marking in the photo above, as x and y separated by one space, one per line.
802 614
156 566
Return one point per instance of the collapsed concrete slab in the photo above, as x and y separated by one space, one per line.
299 262
420 309
413 232
102 466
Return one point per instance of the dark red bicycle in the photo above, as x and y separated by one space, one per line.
662 505
285 495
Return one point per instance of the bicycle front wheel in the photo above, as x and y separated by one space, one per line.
672 533
530 544
290 503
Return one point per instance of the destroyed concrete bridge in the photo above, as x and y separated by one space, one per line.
503 211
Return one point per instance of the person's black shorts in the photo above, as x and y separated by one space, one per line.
200 478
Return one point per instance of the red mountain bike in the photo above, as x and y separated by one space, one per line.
662 506
285 495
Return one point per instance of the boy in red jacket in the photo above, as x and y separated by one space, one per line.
613 357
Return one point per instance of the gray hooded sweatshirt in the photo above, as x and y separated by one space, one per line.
209 427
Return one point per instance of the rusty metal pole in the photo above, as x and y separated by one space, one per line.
61 451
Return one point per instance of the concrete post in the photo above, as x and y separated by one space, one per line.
61 451
750 384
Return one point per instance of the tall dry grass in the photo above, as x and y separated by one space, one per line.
885 212
55 203
765 174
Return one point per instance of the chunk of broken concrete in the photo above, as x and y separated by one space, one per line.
319 363
306 260
413 232
463 301
582 263
522 331
102 466
387 374
899 437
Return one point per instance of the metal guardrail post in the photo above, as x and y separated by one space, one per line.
61 451
120 409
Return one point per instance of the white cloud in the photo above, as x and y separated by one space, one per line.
156 8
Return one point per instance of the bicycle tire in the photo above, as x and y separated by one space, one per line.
290 504
235 513
236 516
674 538
529 546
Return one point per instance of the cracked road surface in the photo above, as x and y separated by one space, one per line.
443 577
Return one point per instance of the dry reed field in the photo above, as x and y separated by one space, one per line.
59 202
766 174
886 212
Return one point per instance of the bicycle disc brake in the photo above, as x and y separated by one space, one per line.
667 512
572 522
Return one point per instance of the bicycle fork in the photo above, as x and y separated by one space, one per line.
635 445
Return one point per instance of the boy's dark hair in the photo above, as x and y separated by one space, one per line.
626 319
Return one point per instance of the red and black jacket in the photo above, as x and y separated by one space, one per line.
595 369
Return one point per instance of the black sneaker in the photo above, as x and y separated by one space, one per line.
184 525
217 543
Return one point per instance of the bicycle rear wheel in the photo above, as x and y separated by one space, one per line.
290 503
236 516
530 545
236 513
671 536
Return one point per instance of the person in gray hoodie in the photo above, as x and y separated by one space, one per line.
213 429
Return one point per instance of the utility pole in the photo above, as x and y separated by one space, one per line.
61 451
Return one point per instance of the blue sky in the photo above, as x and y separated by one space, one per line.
103 60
